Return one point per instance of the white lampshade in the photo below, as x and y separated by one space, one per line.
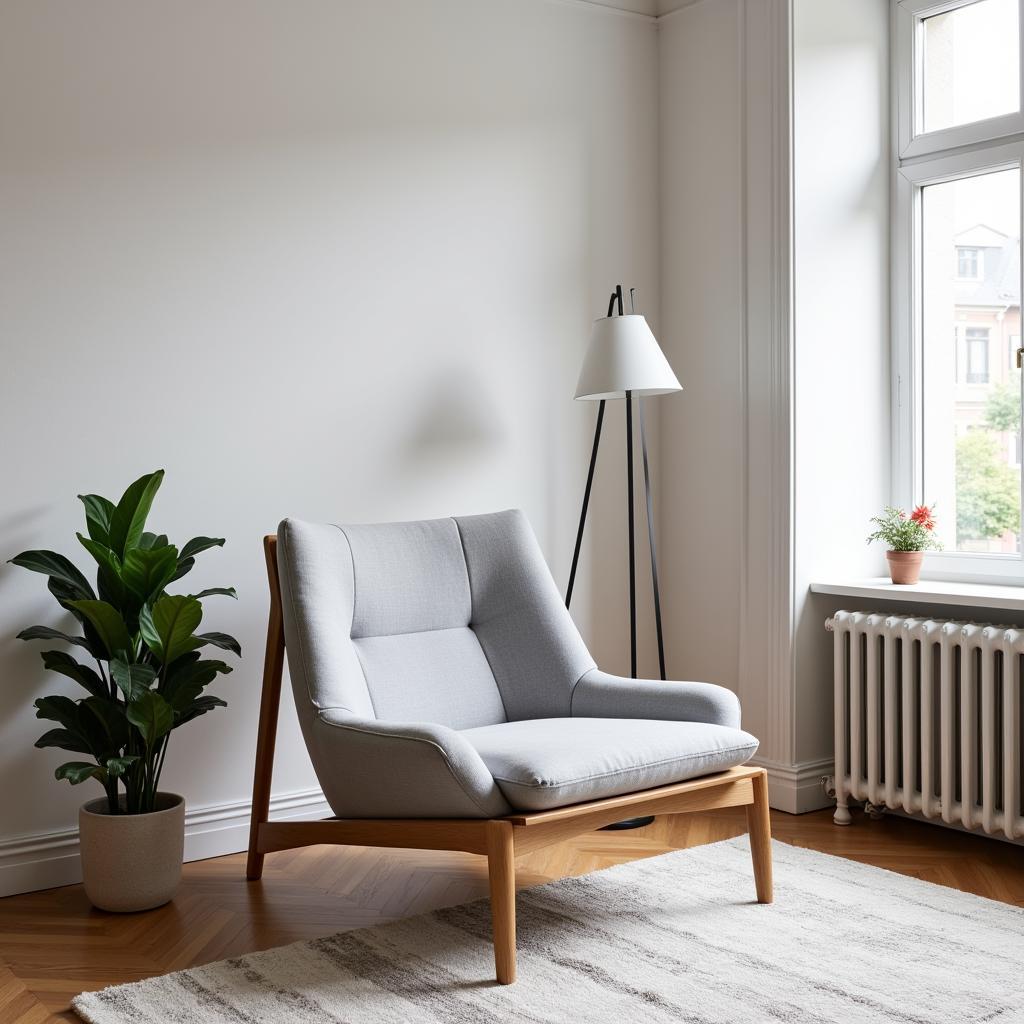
624 356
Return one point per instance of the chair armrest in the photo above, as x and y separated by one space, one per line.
370 768
600 695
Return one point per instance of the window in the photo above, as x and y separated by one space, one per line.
957 286
977 355
969 64
967 263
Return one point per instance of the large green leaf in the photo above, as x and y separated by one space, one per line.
132 680
186 559
104 557
96 724
187 678
128 520
198 544
221 640
65 740
153 540
111 587
147 571
65 595
167 626
58 661
118 766
73 718
214 591
107 725
98 513
109 625
59 709
55 565
184 568
152 716
46 633
77 772
198 707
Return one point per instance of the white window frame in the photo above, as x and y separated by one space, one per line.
923 159
908 78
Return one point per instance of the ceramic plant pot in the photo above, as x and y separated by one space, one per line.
132 861
904 566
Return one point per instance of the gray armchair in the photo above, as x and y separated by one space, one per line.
438 677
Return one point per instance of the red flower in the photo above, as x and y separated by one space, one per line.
923 515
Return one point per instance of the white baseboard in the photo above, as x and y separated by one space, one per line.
49 859
797 788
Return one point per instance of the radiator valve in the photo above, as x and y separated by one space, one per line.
874 811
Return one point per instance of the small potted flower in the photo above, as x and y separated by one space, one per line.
908 537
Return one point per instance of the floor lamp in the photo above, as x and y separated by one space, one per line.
625 361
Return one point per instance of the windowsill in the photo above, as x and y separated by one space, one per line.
967 595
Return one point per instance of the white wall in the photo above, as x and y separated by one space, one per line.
331 260
841 171
774 279
701 466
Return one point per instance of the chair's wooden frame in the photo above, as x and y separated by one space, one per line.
500 839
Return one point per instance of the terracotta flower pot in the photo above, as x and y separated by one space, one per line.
904 566
132 861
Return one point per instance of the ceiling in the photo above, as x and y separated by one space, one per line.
652 8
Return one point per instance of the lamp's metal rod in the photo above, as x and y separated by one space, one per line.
650 537
632 552
618 296
586 503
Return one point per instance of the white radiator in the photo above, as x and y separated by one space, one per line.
928 718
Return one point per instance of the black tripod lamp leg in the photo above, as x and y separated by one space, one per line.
586 504
632 552
650 536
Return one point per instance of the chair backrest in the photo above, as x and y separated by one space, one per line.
451 621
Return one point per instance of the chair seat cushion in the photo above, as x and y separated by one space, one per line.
552 762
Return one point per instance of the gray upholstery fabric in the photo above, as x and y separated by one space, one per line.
401 770
551 762
600 695
400 635
533 647
409 577
315 565
437 676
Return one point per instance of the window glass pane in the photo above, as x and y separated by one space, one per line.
971 64
971 390
977 355
967 262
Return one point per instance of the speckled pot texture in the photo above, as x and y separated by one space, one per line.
132 862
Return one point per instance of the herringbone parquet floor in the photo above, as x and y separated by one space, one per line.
53 945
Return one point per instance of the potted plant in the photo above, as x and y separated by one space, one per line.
908 537
148 680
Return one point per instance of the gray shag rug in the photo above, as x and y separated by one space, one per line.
669 939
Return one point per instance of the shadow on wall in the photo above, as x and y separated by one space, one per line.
455 428
21 672
20 661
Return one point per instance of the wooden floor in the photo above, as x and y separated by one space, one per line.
53 945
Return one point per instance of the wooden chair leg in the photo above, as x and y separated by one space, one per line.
760 828
501 870
270 704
